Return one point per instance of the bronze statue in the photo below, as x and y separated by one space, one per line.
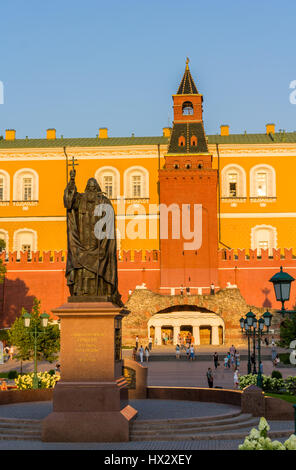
91 269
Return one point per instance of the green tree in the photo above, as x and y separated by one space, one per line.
48 339
288 330
2 266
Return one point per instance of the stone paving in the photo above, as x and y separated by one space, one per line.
165 373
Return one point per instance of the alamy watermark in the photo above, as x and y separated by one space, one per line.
176 222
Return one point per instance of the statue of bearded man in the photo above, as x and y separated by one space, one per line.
91 269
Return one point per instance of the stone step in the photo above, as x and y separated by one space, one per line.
188 432
20 432
222 435
190 425
178 421
20 421
19 437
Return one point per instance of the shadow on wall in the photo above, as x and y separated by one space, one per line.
267 303
13 296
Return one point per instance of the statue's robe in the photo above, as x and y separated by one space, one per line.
97 258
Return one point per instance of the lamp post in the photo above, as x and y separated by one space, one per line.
255 327
27 320
282 286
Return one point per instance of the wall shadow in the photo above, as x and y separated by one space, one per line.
13 296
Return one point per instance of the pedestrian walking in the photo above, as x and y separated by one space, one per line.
141 352
225 362
228 359
212 288
237 360
273 354
236 379
147 353
134 353
191 349
187 351
261 367
137 343
177 351
210 377
216 360
150 344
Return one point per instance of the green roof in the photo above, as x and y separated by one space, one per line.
277 138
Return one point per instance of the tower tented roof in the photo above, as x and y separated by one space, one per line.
187 85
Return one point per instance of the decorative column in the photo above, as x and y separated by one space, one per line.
196 336
215 335
157 338
176 333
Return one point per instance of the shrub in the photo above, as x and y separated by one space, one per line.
276 374
290 385
258 440
51 372
45 380
12 374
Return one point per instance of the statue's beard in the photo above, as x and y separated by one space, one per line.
90 196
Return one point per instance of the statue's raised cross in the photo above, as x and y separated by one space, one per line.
73 163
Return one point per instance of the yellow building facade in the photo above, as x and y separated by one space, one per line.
256 198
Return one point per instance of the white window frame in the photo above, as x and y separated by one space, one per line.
18 184
17 240
128 182
5 236
272 238
109 171
271 181
241 181
6 185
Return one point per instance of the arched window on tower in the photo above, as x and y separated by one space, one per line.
187 108
193 141
181 141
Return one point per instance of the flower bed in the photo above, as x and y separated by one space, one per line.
45 380
270 384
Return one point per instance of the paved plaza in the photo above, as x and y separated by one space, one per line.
163 370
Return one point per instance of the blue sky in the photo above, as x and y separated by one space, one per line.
78 66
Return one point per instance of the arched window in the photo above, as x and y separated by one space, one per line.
4 186
26 185
181 141
108 178
264 237
176 165
4 236
136 182
187 108
25 239
193 141
262 181
233 181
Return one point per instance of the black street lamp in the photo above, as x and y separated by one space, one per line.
255 327
282 286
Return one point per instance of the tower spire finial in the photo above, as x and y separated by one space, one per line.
187 62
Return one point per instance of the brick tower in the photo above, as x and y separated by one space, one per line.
189 183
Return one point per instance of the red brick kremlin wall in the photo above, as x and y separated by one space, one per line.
43 277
